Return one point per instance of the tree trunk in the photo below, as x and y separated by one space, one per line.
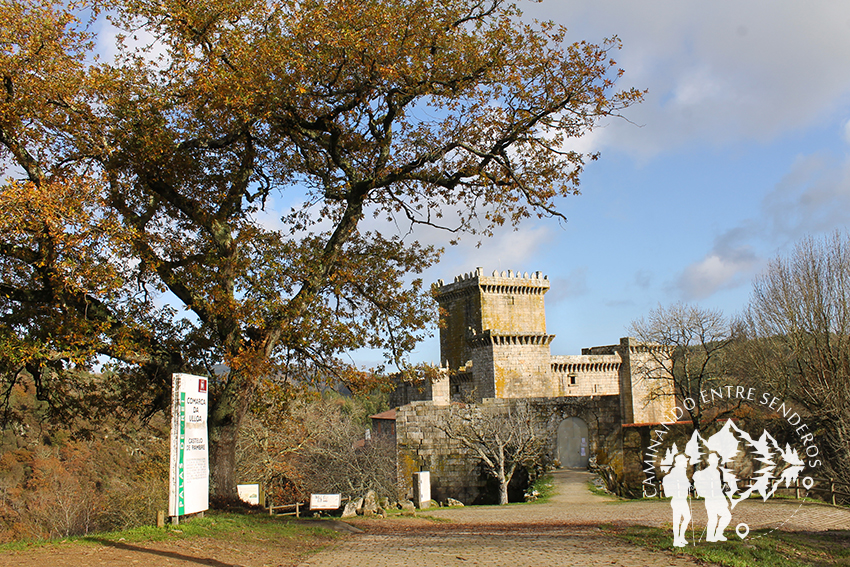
225 420
223 460
503 489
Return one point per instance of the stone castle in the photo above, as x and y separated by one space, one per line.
493 342
494 350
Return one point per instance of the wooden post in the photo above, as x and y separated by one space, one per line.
297 510
160 518
832 489
797 488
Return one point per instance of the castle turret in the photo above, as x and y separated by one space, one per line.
493 335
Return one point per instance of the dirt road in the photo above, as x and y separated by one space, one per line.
563 531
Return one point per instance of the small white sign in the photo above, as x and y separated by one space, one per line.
249 493
422 488
325 501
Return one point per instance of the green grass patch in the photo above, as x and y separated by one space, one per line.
543 487
599 491
761 547
216 525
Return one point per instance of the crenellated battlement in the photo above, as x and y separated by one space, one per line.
586 364
478 275
488 338
499 283
467 277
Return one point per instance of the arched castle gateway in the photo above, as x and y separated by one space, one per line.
495 350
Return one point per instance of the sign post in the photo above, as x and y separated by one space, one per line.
189 478
422 489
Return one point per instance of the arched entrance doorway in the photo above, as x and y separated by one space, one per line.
573 448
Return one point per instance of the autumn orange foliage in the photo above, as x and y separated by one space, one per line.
135 205
56 484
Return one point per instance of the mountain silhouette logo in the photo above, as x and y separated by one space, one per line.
715 476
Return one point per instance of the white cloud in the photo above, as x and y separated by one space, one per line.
731 262
720 71
699 86
715 272
812 198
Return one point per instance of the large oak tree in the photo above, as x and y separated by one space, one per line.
133 207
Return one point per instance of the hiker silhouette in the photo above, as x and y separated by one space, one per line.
708 484
677 485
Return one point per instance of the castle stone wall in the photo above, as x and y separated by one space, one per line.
461 318
523 370
587 375
483 373
495 350
647 396
513 305
456 473
423 446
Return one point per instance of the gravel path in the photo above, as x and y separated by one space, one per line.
574 503
564 531
488 545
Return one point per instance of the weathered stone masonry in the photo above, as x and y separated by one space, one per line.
494 348
422 445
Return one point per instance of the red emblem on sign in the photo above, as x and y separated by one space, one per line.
202 385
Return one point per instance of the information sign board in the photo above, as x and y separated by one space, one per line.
249 493
189 479
325 501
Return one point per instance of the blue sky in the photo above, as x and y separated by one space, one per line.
741 148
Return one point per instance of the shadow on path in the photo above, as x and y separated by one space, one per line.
169 554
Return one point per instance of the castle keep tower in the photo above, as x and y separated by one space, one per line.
493 335
493 342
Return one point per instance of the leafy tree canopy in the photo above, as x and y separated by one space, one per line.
133 205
